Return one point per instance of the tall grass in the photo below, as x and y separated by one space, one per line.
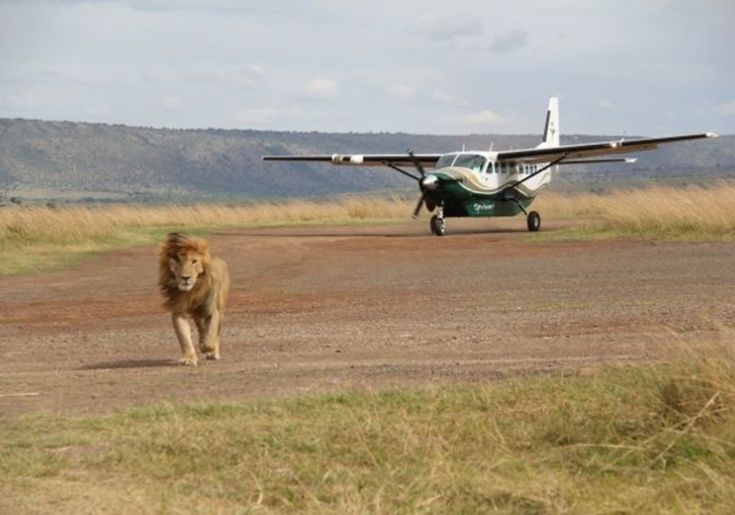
42 237
76 224
657 212
645 439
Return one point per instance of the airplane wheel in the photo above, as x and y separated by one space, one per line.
437 225
533 221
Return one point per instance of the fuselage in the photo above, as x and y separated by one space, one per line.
475 183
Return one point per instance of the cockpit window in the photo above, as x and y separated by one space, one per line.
474 162
445 160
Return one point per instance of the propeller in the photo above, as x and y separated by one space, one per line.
424 194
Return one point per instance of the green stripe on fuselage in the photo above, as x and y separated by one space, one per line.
468 198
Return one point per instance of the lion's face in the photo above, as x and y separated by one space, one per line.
187 266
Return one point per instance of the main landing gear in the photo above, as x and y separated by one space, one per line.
437 223
533 221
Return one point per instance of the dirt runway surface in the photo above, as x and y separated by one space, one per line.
367 308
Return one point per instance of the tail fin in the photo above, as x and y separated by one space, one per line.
551 129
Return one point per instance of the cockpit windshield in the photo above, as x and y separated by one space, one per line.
474 162
445 160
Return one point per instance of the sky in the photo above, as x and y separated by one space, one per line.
651 68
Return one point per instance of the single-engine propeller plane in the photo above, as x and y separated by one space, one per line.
494 183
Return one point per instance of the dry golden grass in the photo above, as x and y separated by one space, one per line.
42 238
39 238
76 224
709 211
660 212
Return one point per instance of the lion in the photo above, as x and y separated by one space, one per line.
195 284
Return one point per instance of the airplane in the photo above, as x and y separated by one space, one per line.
494 183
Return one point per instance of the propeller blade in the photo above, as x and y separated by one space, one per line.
418 207
416 162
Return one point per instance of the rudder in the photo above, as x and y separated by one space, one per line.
551 128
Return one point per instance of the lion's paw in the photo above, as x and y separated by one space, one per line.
188 362
213 355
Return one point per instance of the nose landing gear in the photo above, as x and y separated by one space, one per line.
437 223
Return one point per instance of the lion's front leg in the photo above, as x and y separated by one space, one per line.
201 324
209 335
183 333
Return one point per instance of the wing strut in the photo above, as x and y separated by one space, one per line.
542 169
513 198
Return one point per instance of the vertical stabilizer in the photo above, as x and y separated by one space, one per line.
551 128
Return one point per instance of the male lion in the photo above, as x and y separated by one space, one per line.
194 284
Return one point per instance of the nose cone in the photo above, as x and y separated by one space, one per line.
430 182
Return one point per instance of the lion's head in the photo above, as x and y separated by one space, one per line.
182 261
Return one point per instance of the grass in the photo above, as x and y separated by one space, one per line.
42 238
36 239
639 439
656 212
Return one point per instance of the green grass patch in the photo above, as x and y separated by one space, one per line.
29 257
628 440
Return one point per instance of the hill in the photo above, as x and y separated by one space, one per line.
84 161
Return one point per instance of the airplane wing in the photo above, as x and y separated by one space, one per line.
586 150
427 160
572 154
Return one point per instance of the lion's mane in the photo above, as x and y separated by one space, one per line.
211 287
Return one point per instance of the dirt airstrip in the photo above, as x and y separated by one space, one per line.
325 309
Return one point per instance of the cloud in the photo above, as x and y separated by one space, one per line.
447 27
243 76
20 100
606 104
484 117
171 102
727 109
509 41
400 91
321 88
450 99
79 77
255 116
168 5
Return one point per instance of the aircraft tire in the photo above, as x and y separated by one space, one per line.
437 225
533 221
